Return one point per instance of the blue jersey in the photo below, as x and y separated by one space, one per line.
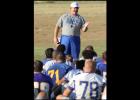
57 71
42 83
101 70
101 67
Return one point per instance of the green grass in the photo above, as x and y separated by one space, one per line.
47 14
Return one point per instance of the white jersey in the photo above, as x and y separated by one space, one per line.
48 64
70 64
72 73
86 86
94 58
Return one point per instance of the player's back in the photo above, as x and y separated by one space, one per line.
42 83
86 86
57 71
72 73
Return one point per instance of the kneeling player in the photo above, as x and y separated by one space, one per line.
42 83
87 85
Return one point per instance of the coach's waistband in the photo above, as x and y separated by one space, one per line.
70 35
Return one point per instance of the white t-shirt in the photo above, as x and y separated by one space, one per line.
86 86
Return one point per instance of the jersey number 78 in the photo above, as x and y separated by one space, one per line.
93 88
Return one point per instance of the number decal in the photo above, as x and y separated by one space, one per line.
40 86
57 76
52 72
93 88
85 88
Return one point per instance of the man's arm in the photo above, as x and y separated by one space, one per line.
65 95
56 31
85 28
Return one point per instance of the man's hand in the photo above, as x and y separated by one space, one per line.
86 24
56 42
84 29
55 39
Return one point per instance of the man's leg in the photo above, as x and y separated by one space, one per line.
75 47
65 41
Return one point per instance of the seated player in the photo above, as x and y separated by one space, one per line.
57 71
69 60
101 66
87 54
87 85
79 69
61 48
90 48
51 62
48 54
41 81
73 72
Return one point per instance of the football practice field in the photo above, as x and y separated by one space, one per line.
46 15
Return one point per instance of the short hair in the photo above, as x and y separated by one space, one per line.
104 55
38 66
49 52
87 54
89 47
60 56
61 48
80 64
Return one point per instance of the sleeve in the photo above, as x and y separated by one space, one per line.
66 77
83 22
60 22
71 84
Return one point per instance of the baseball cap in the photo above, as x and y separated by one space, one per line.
74 4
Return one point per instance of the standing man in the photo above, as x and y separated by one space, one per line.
71 24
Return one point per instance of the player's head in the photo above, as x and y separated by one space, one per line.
49 52
69 58
54 54
88 54
90 66
38 66
89 47
74 7
80 64
61 48
104 56
60 56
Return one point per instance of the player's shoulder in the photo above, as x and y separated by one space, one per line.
98 78
79 75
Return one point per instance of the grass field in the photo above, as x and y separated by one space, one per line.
47 14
